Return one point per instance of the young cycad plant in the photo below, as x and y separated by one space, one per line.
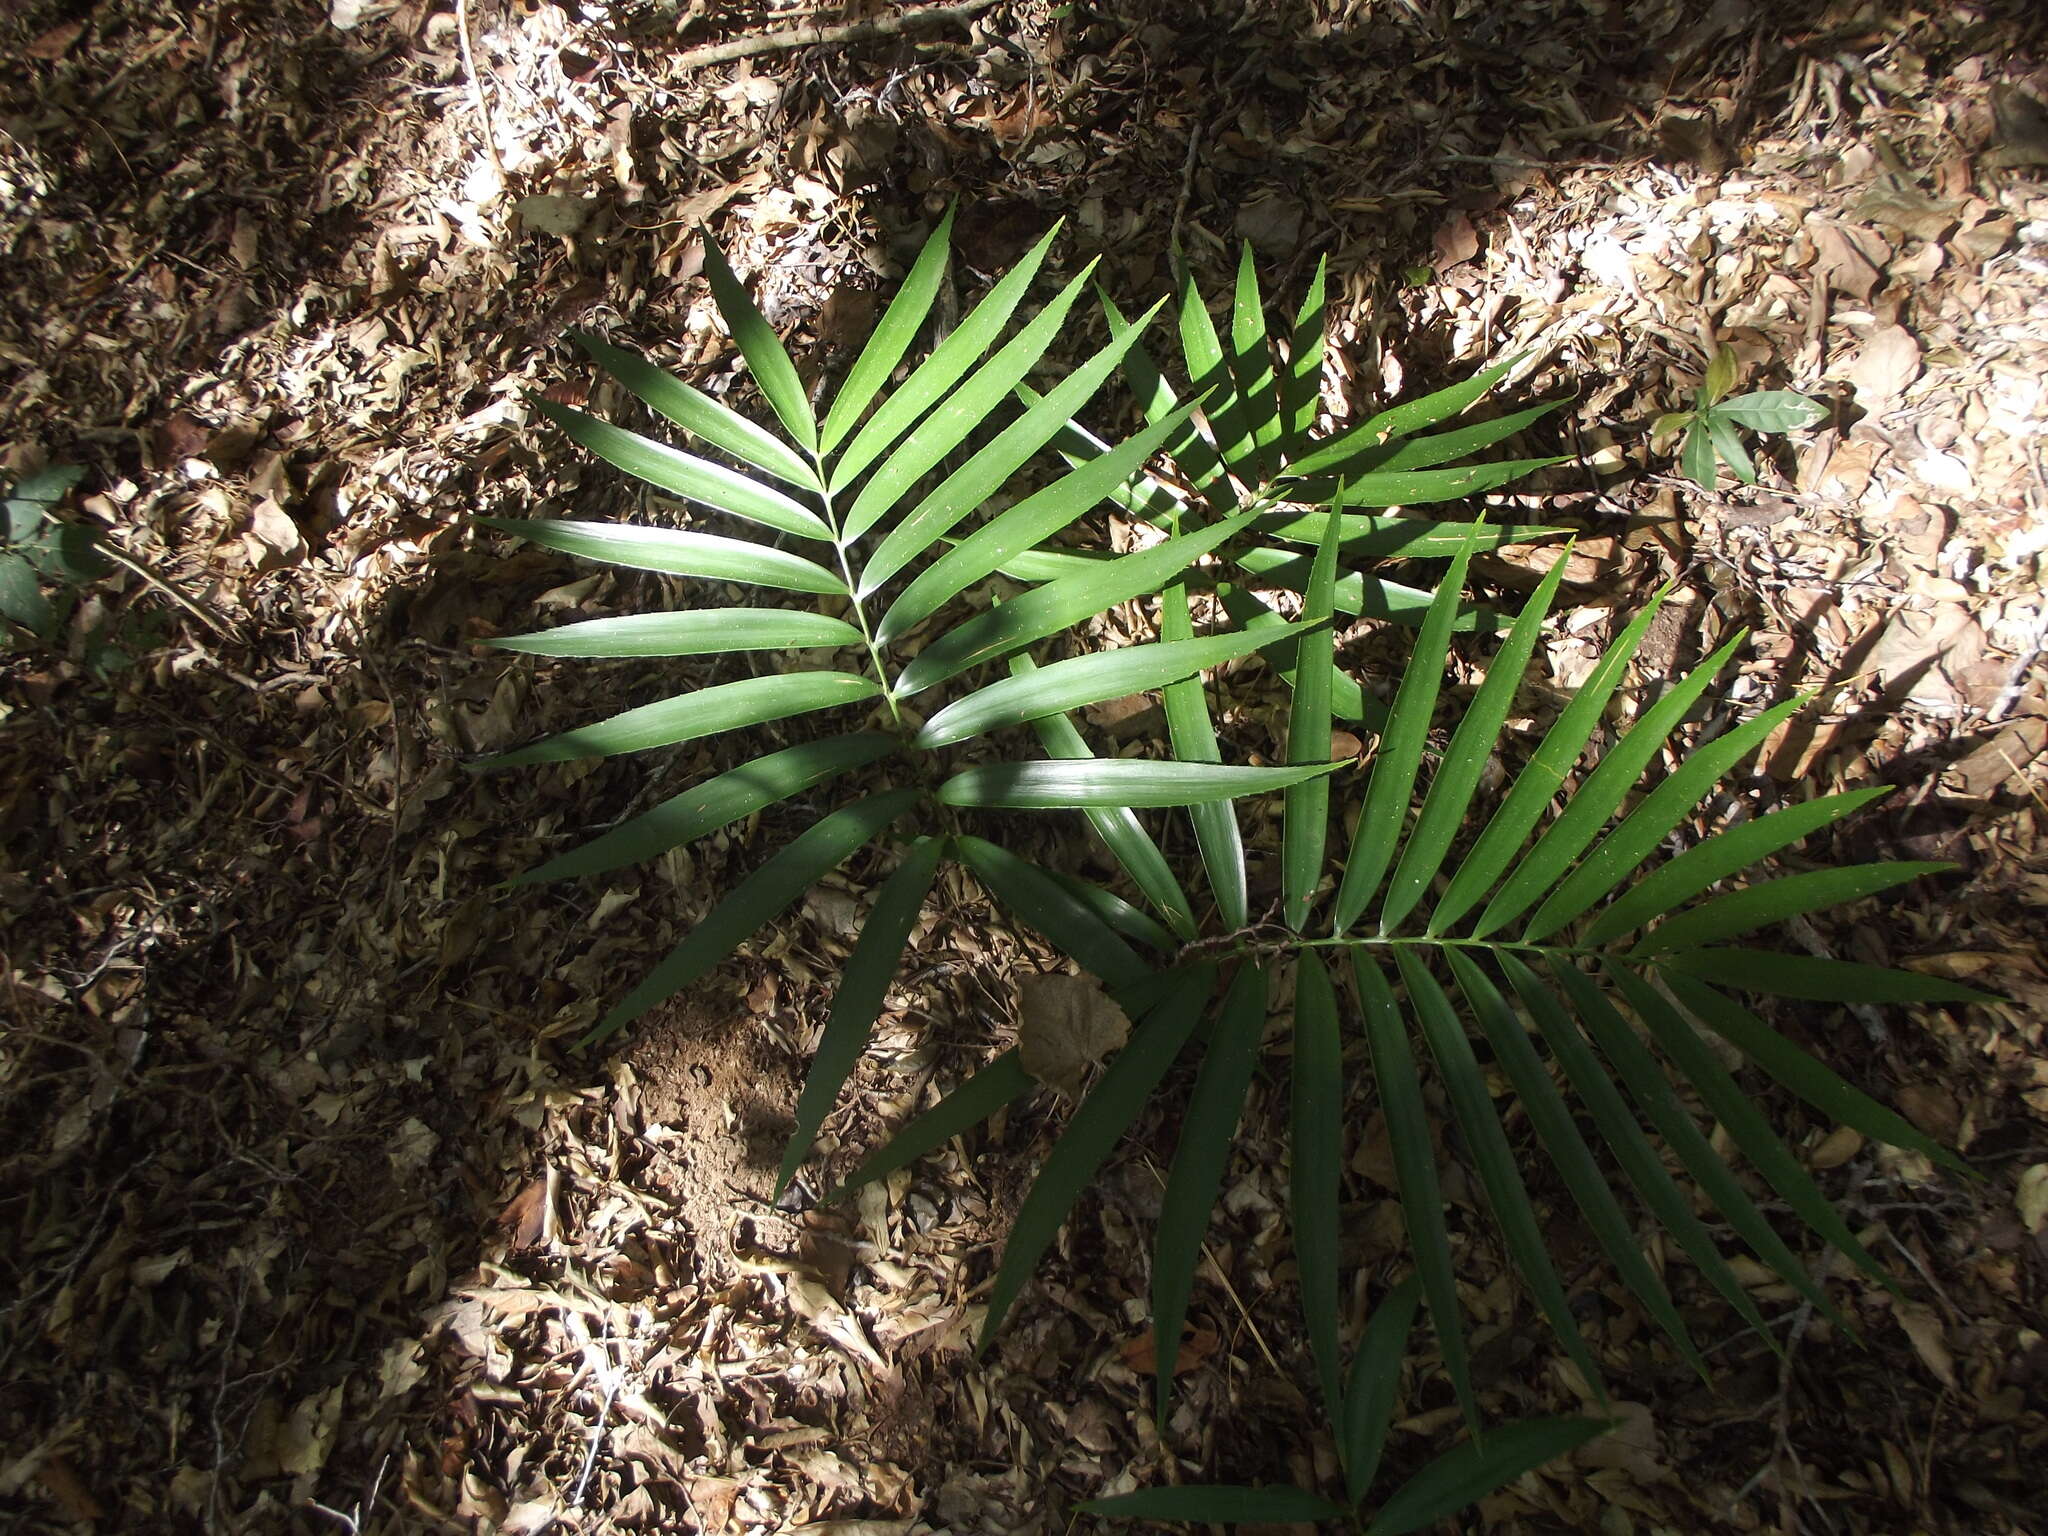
869 498
1454 1480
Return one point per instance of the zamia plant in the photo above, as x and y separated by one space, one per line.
1459 1477
1522 929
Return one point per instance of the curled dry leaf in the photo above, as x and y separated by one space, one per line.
1889 361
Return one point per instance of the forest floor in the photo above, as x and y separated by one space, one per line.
313 1221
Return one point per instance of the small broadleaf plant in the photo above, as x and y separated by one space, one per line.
1710 427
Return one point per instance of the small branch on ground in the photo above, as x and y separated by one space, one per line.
808 35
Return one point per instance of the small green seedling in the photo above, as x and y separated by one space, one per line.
38 546
1710 425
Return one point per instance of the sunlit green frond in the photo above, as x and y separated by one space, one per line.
1209 370
715 803
1023 527
1401 420
774 374
1254 615
1193 738
1084 680
1377 836
1139 783
1301 382
1035 614
1464 761
892 336
947 363
1189 450
1118 826
1412 453
1305 820
1541 777
698 632
691 716
1769 902
1251 370
1207 1132
1366 536
1643 831
768 890
1097 1125
685 474
1371 597
863 988
674 552
1599 796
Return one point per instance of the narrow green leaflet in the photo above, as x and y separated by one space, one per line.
1301 384
1191 453
774 374
1425 487
1373 597
674 552
1600 795
1422 1200
1348 701
768 890
1097 1125
1251 367
1377 837
1035 614
891 339
1365 536
1306 819
1208 1131
863 987
1643 831
1802 1074
689 716
1462 1477
1116 913
1727 852
1023 527
1465 1084
1138 783
1464 761
1193 738
1041 901
1697 456
971 406
699 632
1818 980
1209 371
1401 420
1552 1120
694 411
1316 1163
1625 1138
1083 680
1653 1093
950 359
1739 1116
716 803
1768 902
1374 1387
684 474
1217 1504
1002 1081
1541 777
1442 447
1118 827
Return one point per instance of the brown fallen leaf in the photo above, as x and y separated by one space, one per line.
1888 362
1923 1327
1851 259
1457 242
1065 1026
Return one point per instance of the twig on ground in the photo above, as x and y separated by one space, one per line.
811 35
476 92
